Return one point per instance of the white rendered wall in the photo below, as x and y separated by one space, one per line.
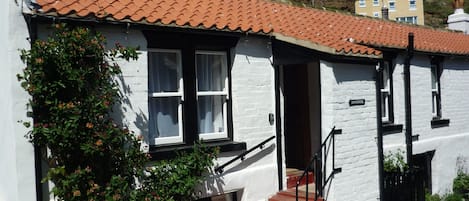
252 98
17 177
450 142
459 21
356 148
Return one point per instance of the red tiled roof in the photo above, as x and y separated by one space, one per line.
324 30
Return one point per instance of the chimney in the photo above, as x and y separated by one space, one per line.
459 20
385 12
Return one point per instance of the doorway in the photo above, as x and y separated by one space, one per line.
302 112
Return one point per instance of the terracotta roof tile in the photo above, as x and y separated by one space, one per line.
345 34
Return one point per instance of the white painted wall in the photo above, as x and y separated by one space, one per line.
450 143
459 21
17 178
356 148
253 99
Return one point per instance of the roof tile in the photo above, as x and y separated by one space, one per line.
345 33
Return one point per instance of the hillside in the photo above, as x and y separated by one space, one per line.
436 11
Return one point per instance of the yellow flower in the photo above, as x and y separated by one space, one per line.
116 197
89 125
70 105
39 60
99 143
76 193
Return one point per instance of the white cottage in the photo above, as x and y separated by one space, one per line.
250 75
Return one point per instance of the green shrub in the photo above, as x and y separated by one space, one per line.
460 190
175 179
453 197
70 79
394 162
430 197
446 197
461 184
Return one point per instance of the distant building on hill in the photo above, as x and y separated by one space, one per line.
410 11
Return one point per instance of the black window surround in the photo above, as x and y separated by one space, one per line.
387 91
387 96
188 44
390 128
436 71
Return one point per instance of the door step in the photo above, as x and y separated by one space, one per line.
290 194
293 175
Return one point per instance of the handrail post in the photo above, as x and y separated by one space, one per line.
333 150
316 178
296 189
319 167
307 181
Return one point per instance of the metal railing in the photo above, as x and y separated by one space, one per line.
318 166
241 156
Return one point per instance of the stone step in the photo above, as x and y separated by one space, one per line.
290 194
293 175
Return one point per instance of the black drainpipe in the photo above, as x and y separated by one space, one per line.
408 108
379 81
278 125
32 24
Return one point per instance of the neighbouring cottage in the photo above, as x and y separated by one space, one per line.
239 73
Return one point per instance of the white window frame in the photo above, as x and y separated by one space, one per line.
412 6
409 19
386 93
179 93
224 92
392 5
375 14
375 2
362 3
436 104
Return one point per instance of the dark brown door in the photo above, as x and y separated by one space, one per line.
297 116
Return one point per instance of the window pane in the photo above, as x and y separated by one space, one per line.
434 78
392 5
385 84
164 117
362 3
384 104
211 117
211 71
412 4
163 71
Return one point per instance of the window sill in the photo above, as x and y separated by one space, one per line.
437 123
390 128
168 152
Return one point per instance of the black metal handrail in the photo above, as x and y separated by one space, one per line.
219 169
318 162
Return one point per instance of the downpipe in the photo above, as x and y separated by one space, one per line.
408 101
379 81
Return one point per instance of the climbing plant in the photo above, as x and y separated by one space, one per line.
70 79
